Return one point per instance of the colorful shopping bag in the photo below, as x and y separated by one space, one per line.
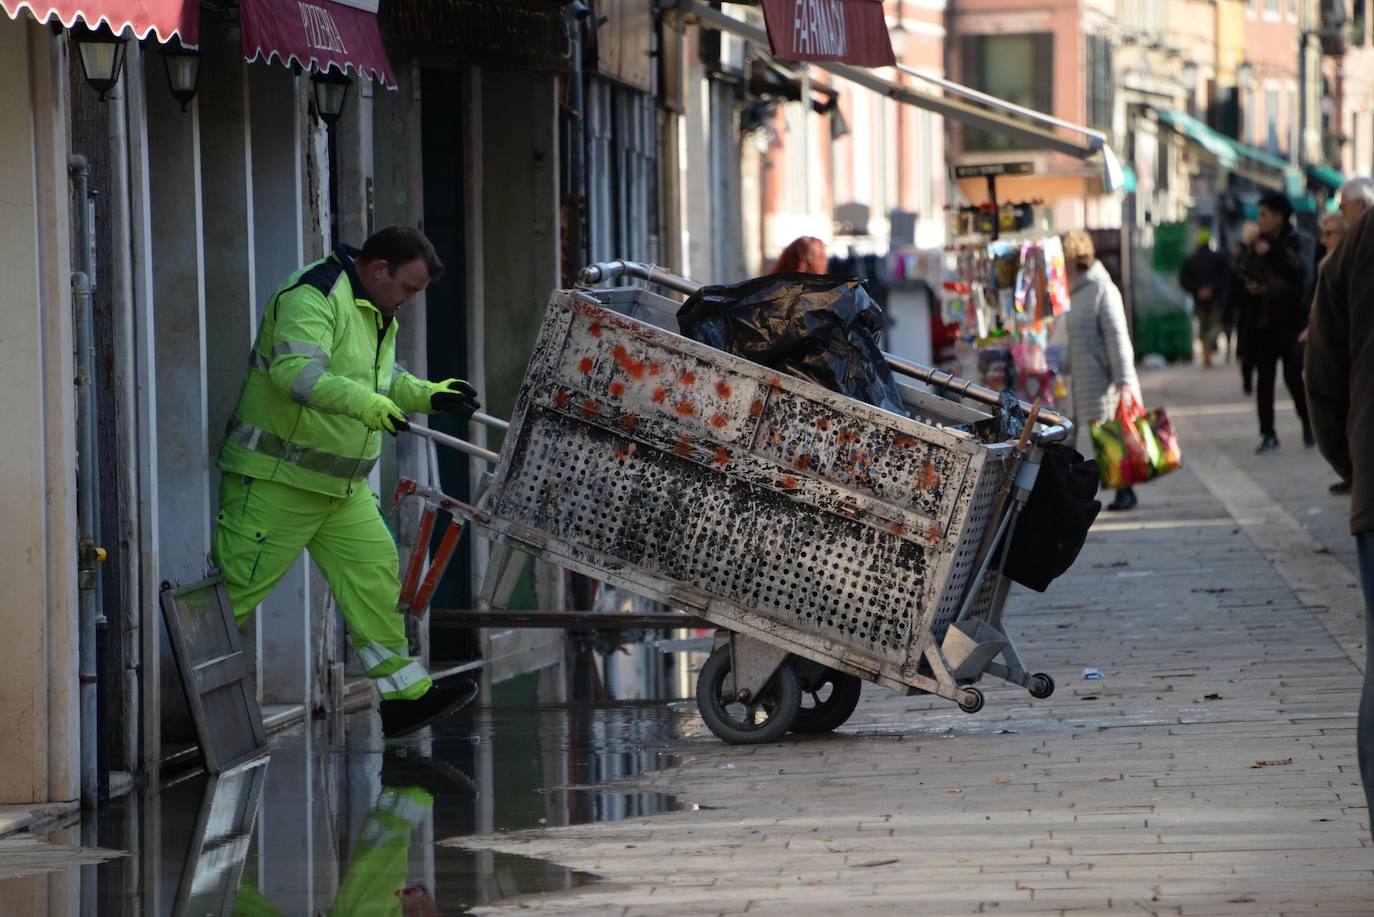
1121 448
1170 455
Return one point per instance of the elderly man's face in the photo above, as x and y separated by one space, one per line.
1351 208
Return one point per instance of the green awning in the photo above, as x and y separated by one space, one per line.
1325 176
1260 167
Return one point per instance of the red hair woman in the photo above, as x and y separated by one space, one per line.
804 254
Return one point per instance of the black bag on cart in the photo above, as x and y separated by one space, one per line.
1055 520
817 327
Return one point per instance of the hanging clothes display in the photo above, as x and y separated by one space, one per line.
1005 296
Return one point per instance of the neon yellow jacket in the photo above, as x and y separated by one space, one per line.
322 351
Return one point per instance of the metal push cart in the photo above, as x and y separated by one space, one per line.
830 541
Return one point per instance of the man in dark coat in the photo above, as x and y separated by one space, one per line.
1275 283
1340 386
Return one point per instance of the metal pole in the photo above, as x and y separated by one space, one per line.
88 504
454 442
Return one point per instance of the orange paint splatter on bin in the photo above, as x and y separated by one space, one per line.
630 421
617 388
683 447
775 382
822 423
655 368
590 408
560 399
585 365
688 378
722 457
723 388
632 367
684 409
801 462
659 396
933 534
595 330
905 442
928 477
756 409
847 437
897 529
624 452
789 481
719 420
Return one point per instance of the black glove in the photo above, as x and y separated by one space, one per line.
454 396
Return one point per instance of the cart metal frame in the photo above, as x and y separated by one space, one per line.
795 519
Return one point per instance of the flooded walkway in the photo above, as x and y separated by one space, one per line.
339 821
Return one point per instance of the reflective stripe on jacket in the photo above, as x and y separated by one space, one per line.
322 351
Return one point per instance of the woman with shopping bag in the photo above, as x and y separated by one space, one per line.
1101 358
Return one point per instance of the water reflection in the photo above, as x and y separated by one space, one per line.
338 821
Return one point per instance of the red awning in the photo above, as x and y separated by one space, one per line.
164 18
317 34
849 31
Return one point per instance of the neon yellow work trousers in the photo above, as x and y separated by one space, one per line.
264 526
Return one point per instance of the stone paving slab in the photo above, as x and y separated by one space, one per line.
1211 771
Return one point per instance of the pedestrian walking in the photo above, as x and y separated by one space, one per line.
322 386
1273 274
1101 358
805 255
1340 388
1206 276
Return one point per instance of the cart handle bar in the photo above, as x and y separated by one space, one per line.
454 442
1059 427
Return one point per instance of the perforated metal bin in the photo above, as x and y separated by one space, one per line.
808 526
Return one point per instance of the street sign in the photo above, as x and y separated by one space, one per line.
993 169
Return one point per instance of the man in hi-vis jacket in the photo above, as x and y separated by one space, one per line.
322 386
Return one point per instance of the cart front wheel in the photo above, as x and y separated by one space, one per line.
972 702
828 701
1041 685
766 717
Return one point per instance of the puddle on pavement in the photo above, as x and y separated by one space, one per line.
337 820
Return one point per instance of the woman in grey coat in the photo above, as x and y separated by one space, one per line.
1101 358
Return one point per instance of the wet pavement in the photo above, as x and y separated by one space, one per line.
339 821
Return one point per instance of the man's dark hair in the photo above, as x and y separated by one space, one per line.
1277 203
398 245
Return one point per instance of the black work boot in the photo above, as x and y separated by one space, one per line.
402 717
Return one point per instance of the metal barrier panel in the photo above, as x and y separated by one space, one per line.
702 479
216 673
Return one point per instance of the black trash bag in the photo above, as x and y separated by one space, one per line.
1055 520
820 328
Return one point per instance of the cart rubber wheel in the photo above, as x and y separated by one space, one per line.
972 706
833 711
1041 686
766 718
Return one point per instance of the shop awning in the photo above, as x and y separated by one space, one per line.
847 31
1260 167
1325 176
318 35
163 18
1002 122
